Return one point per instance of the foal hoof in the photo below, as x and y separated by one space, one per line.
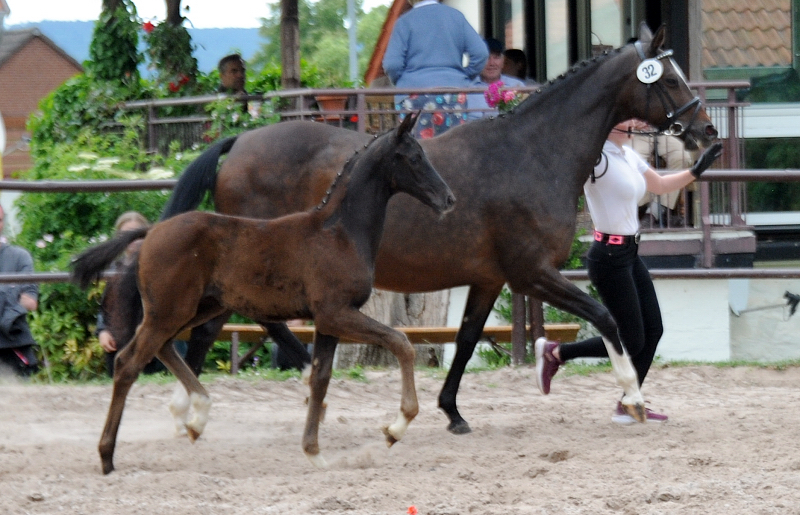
192 433
637 411
317 460
459 428
390 439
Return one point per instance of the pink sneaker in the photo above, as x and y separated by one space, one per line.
546 364
620 417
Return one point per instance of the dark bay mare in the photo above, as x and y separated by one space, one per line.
317 264
518 178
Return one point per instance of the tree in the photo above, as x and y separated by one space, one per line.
113 53
323 40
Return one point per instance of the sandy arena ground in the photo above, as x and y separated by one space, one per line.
731 446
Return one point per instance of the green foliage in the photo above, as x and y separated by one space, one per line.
775 154
113 53
169 48
324 41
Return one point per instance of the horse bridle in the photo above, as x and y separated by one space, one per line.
671 126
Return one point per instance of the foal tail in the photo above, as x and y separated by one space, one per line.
90 264
198 178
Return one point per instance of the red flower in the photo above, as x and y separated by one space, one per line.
426 133
183 80
174 87
412 510
148 26
437 118
354 118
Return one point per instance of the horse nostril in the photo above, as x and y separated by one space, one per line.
711 131
451 201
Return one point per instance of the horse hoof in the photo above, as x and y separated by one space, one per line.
459 428
108 468
317 460
637 411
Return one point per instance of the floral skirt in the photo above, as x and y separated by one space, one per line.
451 111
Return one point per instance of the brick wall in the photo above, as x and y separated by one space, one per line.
25 78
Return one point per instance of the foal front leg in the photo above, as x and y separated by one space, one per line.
356 327
321 369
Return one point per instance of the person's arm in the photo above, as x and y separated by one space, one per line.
394 59
476 49
661 184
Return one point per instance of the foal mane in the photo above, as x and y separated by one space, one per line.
346 170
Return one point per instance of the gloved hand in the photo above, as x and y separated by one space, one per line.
706 159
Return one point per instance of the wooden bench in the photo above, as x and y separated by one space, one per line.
255 334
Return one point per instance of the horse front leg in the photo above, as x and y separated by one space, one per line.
557 291
321 369
479 305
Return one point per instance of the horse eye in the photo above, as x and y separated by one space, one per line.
672 82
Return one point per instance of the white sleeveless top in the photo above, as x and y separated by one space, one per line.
613 199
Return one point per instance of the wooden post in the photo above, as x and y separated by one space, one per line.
518 339
536 317
290 45
234 353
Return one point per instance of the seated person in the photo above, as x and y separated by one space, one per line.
492 72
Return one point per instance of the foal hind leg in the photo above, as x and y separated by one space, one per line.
200 401
128 364
554 289
201 339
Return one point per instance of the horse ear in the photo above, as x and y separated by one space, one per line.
659 39
645 36
408 123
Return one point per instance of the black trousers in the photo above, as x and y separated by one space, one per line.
626 289
21 360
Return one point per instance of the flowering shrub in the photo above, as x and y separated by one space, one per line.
503 99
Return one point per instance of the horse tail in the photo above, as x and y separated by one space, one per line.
90 264
198 178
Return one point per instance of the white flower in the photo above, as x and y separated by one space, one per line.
41 244
88 155
108 161
78 168
48 238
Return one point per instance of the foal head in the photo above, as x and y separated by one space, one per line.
404 163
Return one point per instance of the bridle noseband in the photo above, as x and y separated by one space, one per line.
671 126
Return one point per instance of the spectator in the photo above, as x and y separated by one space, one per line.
232 75
128 221
667 155
17 346
426 50
516 65
615 268
491 73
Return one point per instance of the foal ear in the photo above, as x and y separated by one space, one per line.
407 124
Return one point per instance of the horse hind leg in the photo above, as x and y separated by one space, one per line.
557 291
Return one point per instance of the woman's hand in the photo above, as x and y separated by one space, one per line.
107 341
706 159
